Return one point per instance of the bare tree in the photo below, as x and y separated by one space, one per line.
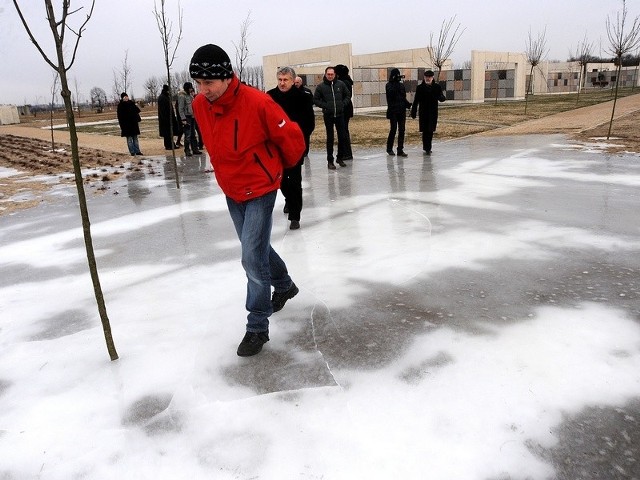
37 105
447 41
583 56
54 91
635 73
122 78
255 76
242 49
98 99
621 42
152 85
535 49
180 78
75 88
59 28
169 47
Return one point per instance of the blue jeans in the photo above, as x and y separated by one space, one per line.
132 144
263 266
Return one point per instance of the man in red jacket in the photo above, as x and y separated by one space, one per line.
250 140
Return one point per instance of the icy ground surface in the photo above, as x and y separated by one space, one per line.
470 316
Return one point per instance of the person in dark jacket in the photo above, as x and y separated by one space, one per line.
332 96
428 94
178 132
185 115
250 139
128 119
299 83
298 105
397 106
342 74
167 123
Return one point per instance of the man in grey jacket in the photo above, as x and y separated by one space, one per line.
332 96
185 112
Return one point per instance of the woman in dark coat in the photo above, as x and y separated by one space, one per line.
428 94
397 105
342 72
129 118
166 118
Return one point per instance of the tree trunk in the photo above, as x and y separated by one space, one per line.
615 96
526 94
172 113
86 224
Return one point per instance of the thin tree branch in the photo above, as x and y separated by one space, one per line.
32 38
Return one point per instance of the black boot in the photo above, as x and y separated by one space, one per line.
252 343
278 299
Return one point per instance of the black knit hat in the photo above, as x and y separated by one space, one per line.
210 62
122 95
341 70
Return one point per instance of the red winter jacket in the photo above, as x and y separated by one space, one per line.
249 139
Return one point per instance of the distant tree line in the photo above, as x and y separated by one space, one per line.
628 60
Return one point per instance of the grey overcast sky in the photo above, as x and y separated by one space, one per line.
118 26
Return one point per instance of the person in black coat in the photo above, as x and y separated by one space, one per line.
129 119
299 84
298 105
428 94
397 106
342 73
333 97
166 118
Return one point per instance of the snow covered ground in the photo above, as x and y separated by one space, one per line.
471 316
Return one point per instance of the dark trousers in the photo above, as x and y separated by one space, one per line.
168 141
427 138
199 135
190 140
397 123
344 151
329 123
291 188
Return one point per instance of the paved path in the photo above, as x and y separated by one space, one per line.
573 121
109 143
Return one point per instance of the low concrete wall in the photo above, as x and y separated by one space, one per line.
9 115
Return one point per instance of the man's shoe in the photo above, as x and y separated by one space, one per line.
348 157
341 163
187 153
402 154
331 166
178 145
295 225
278 299
391 152
252 343
197 152
427 152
